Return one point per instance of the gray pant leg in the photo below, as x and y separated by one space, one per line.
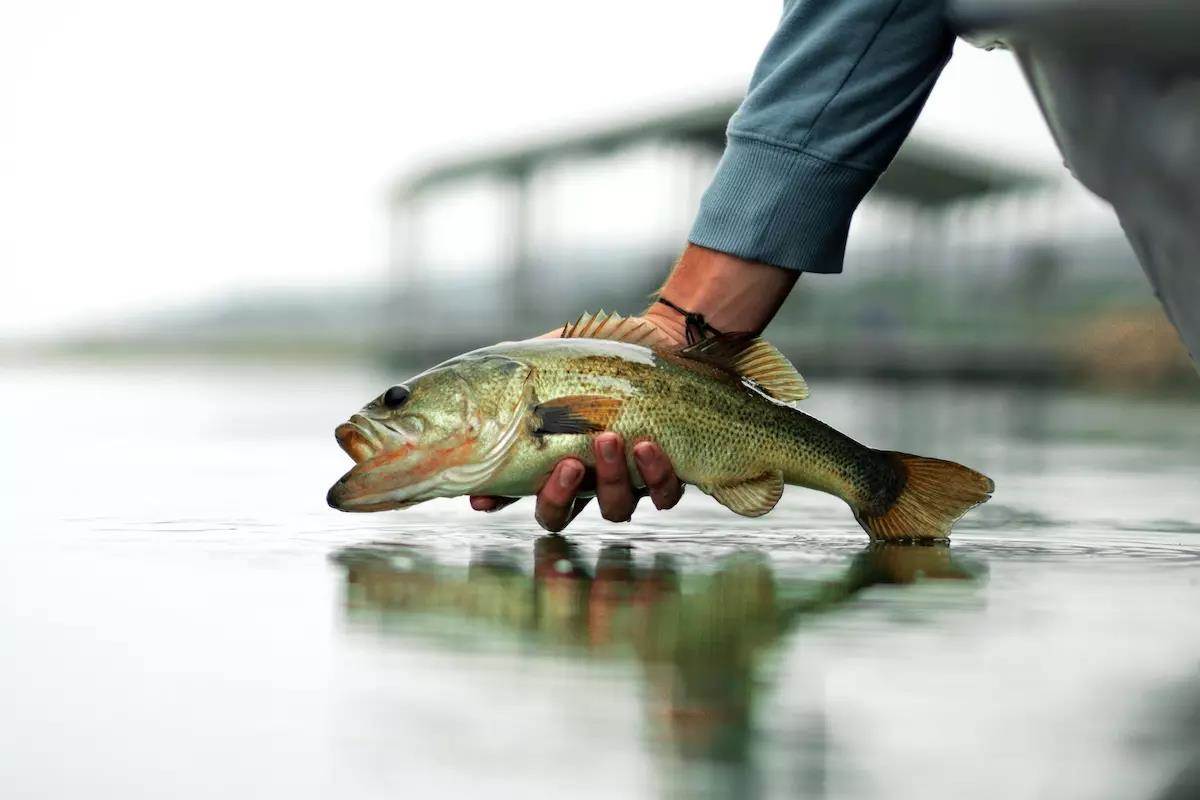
1119 84
1131 134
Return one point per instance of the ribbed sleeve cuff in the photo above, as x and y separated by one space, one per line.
779 206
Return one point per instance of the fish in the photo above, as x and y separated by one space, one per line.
724 409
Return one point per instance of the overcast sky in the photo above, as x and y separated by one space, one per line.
154 153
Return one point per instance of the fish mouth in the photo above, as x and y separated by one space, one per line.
374 446
360 490
359 438
342 498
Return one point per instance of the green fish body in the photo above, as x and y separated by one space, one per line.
495 421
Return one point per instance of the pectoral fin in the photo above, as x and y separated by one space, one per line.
579 413
748 357
751 498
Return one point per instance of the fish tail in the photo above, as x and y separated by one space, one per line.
927 498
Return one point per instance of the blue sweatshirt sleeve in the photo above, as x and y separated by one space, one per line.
835 93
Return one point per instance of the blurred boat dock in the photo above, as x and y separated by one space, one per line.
960 264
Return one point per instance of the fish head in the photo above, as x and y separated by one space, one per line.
436 435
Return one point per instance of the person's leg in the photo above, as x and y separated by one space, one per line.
1131 134
1119 85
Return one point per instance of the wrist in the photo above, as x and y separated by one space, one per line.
732 293
668 321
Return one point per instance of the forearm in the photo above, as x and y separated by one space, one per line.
733 294
835 93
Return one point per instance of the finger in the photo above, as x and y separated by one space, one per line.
658 474
487 502
577 506
556 500
614 490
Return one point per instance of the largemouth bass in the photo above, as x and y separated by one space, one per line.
495 421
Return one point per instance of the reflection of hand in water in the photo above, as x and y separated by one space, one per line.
698 636
653 610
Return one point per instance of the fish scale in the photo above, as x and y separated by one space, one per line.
715 432
496 421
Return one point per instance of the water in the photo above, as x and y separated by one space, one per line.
181 616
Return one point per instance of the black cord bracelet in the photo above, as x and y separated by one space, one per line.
695 326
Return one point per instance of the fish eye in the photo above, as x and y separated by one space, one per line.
395 397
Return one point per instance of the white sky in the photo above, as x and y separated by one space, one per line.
155 153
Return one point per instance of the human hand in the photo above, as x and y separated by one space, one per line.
558 502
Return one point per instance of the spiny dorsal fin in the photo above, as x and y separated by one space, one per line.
577 413
616 328
751 498
755 359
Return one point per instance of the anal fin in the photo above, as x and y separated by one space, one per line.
578 413
750 498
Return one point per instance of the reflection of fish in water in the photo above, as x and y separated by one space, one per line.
699 637
496 420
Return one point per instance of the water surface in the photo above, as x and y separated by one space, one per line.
181 616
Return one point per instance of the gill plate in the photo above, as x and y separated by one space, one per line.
465 477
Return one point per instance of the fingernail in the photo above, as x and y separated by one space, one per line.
569 474
641 454
608 448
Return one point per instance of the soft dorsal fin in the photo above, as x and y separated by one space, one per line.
616 328
754 359
751 498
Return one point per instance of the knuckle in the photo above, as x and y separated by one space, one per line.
612 481
652 474
553 494
609 470
659 481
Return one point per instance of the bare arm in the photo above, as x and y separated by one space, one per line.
732 293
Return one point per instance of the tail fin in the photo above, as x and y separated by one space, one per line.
933 495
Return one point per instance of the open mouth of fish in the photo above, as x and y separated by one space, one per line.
364 440
359 438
